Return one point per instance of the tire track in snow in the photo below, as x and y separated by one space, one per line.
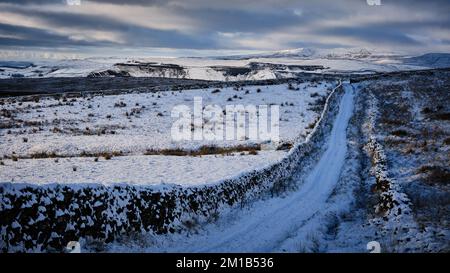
267 224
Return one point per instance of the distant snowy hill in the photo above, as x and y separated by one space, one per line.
433 60
294 53
265 65
15 64
308 53
359 53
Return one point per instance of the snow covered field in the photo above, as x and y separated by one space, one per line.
126 138
271 225
380 172
136 169
382 178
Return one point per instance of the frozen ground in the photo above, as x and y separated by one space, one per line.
344 201
136 169
69 139
412 127
382 174
277 224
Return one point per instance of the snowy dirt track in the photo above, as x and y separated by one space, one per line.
268 225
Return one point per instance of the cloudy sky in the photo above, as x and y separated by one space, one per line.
177 27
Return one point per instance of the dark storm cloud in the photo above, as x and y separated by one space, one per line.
133 35
216 20
244 21
24 2
64 19
232 24
37 37
117 2
133 2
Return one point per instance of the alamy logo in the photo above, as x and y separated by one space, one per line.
234 122
73 247
73 2
374 247
373 2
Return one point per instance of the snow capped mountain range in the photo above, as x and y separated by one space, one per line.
265 65
311 53
295 53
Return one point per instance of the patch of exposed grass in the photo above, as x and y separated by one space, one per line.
284 146
43 155
206 150
435 174
174 152
394 122
106 155
312 124
399 133
120 104
447 141
427 110
441 116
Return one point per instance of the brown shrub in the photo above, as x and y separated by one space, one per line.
174 152
311 125
447 141
284 146
435 174
399 133
120 104
441 116
394 122
44 155
205 150
427 110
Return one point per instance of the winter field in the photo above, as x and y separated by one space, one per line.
127 138
361 156
389 183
